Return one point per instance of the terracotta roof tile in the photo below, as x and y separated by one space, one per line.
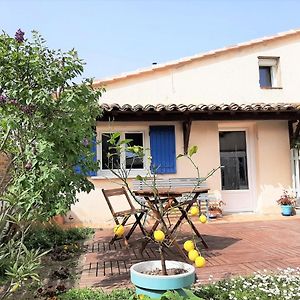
203 107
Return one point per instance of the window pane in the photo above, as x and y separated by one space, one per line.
234 160
133 161
113 160
265 76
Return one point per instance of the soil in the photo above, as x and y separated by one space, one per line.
173 271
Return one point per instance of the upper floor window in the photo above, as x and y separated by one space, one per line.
269 72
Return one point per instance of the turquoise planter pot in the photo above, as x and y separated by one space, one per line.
156 285
286 210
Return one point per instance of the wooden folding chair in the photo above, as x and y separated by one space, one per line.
124 214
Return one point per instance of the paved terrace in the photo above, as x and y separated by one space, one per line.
235 248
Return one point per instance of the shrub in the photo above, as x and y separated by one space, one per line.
53 236
91 294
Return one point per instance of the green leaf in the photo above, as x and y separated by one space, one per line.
193 150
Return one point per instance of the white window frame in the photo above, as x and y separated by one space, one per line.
104 173
273 63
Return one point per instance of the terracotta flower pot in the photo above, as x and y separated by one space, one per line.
60 220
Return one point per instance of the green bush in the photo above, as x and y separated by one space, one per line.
53 236
90 294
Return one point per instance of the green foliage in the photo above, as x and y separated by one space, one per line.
264 286
53 236
46 125
92 294
46 129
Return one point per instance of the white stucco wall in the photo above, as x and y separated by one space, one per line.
225 78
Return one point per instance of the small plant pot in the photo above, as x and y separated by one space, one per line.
156 285
213 214
286 210
59 220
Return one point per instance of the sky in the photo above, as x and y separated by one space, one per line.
118 36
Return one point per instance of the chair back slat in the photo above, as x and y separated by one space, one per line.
116 192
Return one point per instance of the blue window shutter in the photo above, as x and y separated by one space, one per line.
162 145
77 168
94 150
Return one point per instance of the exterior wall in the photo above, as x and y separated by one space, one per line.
224 78
271 163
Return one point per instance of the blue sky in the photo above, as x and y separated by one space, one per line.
119 36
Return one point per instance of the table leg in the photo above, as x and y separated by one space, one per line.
184 215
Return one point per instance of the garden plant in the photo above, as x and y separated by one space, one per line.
46 134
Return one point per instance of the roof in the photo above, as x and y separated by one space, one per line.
254 107
177 112
189 59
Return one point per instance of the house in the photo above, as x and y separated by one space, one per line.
240 105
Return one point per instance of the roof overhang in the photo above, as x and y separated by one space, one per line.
192 112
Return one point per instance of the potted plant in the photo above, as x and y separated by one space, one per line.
215 209
154 278
287 203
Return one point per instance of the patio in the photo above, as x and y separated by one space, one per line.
235 248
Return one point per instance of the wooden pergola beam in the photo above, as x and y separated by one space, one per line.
186 128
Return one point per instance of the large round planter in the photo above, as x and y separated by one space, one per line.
286 210
155 285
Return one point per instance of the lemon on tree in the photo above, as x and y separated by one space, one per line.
159 235
193 254
200 262
119 230
203 218
194 211
188 246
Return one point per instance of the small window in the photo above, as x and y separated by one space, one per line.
268 72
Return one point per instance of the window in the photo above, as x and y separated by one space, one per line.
110 159
268 72
158 142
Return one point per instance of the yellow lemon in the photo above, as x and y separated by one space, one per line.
200 262
193 254
119 230
159 235
203 218
194 211
188 246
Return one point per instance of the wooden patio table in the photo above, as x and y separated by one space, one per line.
169 197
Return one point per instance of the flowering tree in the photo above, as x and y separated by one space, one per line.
46 130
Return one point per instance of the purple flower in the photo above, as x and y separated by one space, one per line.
3 99
85 142
19 36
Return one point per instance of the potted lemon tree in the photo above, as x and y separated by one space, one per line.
154 278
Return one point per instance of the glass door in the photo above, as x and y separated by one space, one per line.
235 161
